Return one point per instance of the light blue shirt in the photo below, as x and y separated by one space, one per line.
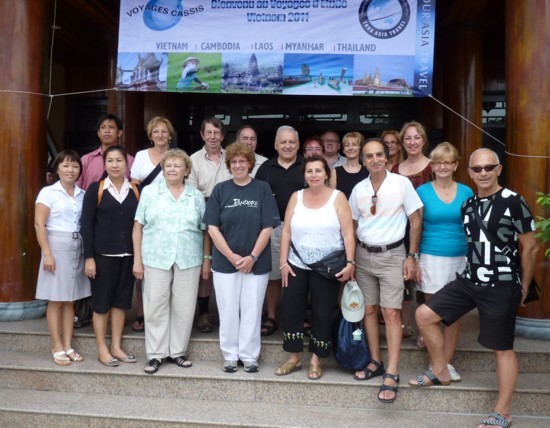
172 229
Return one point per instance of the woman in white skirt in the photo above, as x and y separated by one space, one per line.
443 244
61 278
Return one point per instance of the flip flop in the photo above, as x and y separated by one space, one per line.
421 382
497 420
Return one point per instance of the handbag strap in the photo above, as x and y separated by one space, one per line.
152 175
298 254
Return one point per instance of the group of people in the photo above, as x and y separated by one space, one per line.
249 227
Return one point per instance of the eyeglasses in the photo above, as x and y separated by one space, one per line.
391 143
487 168
443 163
373 199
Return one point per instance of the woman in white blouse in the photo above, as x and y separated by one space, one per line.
61 278
145 170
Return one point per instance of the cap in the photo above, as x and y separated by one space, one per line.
353 303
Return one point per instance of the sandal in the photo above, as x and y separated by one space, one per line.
497 420
181 361
420 342
421 381
74 356
369 374
152 366
139 325
385 387
315 371
288 367
60 358
269 326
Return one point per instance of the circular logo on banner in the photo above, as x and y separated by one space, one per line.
384 19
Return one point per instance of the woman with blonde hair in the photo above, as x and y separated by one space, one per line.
170 252
443 243
145 170
345 177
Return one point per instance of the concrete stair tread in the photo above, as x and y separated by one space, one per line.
30 361
105 410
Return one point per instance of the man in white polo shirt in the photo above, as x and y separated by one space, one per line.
381 205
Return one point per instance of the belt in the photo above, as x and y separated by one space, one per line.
381 248
74 235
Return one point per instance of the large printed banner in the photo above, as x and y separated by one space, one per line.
306 47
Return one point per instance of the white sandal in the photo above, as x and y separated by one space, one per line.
60 358
77 357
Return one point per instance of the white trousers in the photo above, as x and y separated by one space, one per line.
240 298
169 301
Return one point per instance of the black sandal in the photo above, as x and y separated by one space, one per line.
269 327
181 361
152 366
369 374
389 388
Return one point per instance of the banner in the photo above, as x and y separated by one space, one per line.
306 47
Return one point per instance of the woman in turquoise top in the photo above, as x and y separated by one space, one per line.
170 253
443 244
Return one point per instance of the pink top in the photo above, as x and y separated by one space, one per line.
93 166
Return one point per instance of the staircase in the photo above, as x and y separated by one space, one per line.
36 392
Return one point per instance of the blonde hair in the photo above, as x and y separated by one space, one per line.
178 154
357 136
155 121
442 150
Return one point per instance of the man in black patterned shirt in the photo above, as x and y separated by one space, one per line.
495 281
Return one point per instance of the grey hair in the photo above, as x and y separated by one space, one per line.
284 128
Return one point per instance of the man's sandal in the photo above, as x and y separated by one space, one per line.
389 388
432 380
496 419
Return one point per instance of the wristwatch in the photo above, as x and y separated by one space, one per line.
255 258
415 256
351 262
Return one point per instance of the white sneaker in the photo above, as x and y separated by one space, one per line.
455 377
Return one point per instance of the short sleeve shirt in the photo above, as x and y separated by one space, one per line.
206 173
65 210
172 229
506 215
143 166
397 199
241 213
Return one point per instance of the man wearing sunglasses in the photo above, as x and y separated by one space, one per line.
495 281
381 204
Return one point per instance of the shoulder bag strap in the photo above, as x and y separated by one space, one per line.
152 175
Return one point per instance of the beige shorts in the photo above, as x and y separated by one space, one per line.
276 253
380 276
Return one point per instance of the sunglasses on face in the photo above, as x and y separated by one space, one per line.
487 168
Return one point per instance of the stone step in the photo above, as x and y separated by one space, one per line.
32 336
205 381
22 408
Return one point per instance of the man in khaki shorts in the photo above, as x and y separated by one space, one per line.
381 205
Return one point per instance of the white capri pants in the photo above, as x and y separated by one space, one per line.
240 298
169 301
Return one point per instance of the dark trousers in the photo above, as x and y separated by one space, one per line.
324 295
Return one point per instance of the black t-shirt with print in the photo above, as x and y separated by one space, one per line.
241 213
506 215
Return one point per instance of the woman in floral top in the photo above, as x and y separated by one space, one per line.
170 253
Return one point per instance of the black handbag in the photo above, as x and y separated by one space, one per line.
329 265
533 291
